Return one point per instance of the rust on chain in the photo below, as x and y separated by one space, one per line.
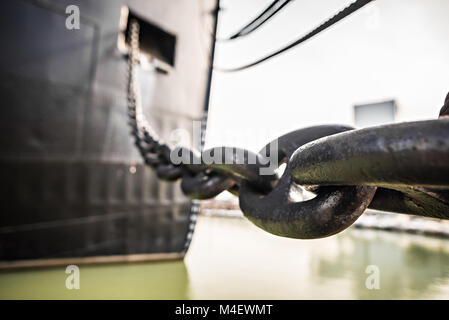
412 159
419 201
403 154
280 213
401 168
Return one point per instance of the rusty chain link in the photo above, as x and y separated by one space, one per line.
401 168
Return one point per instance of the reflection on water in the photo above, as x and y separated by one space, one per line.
232 259
411 267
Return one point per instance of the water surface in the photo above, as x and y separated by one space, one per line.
231 259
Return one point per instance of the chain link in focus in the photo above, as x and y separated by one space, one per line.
400 168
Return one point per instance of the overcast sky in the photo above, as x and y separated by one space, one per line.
390 49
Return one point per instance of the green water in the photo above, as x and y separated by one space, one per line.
232 259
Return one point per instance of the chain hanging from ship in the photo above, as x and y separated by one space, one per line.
400 168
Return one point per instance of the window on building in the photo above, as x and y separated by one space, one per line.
373 114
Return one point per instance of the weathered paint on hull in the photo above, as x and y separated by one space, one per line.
73 184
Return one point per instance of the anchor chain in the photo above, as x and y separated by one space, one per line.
402 168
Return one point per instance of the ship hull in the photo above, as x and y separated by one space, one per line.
73 184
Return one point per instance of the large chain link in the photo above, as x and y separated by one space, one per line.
401 168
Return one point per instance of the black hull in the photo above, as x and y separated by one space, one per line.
73 184
63 209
